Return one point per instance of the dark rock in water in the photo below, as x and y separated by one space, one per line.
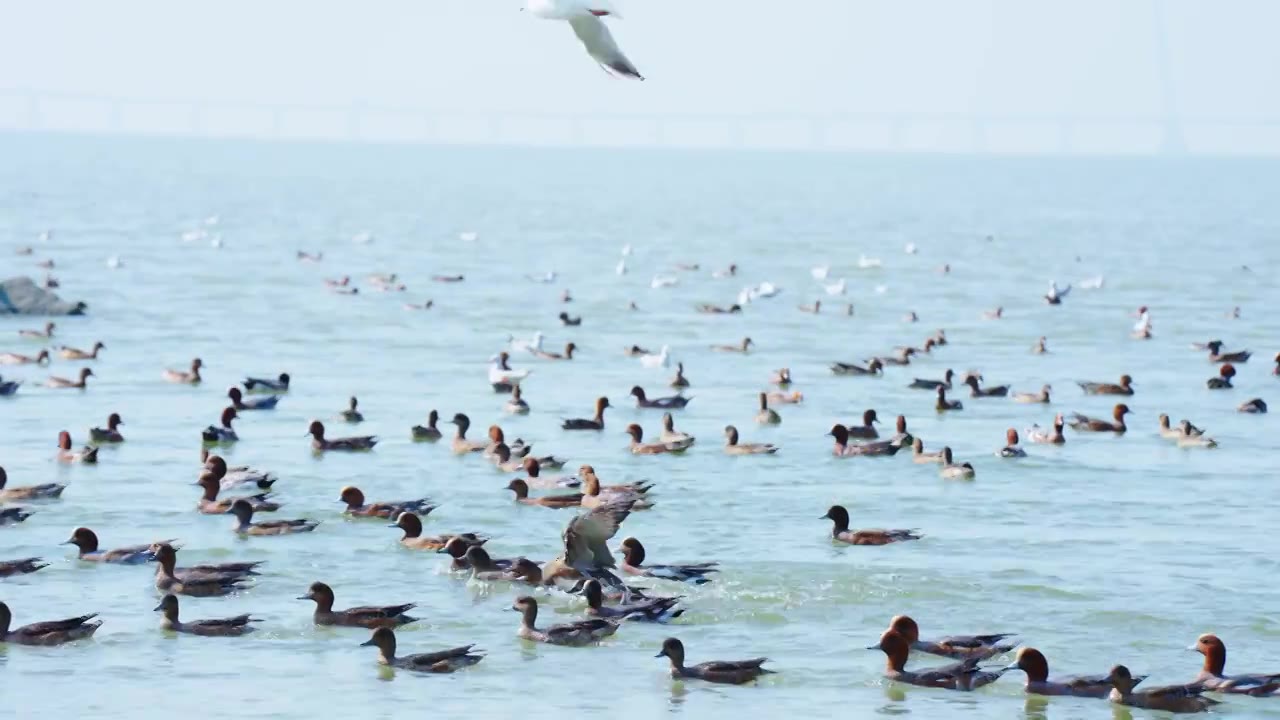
22 296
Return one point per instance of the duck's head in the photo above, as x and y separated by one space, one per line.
1227 371
316 430
502 452
83 538
1120 411
228 414
433 417
532 466
321 593
668 422
1122 679
895 646
905 626
971 381
601 404
869 417
527 570
42 356
456 547
636 432
1032 662
234 394
946 455
917 445
85 373
594 593
528 607
731 434
901 424
519 487
478 557
461 420
673 650
747 342
1214 651
638 393
64 440
165 554
284 379
384 638
196 364
1011 436
495 434
875 365
1126 381
840 433
632 551
169 606
352 403
243 511
352 496
1164 421
410 523
569 350
838 515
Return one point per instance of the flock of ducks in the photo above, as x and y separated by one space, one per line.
585 564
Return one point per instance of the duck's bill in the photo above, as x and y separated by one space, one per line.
367 643
1011 666
661 654
158 608
872 647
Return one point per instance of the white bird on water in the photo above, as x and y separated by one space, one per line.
584 16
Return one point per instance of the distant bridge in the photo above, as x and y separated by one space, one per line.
44 110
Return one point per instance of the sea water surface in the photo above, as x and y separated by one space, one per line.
1105 550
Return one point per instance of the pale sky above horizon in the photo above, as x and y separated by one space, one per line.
830 60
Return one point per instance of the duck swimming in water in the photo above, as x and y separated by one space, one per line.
945 382
351 414
224 433
1125 387
1217 356
955 471
17 359
874 367
1223 381
674 402
238 401
80 384
1256 406
429 432
734 672
733 447
1036 434
680 381
594 423
1033 663
443 661
840 531
189 377
278 385
1170 698
943 404
964 675
1039 397
579 633
1214 678
320 443
767 415
980 392
87 455
1011 449
1083 423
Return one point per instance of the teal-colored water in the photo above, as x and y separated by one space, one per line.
1105 550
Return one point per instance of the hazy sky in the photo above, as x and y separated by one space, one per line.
852 65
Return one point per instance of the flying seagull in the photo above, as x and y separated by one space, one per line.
584 16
